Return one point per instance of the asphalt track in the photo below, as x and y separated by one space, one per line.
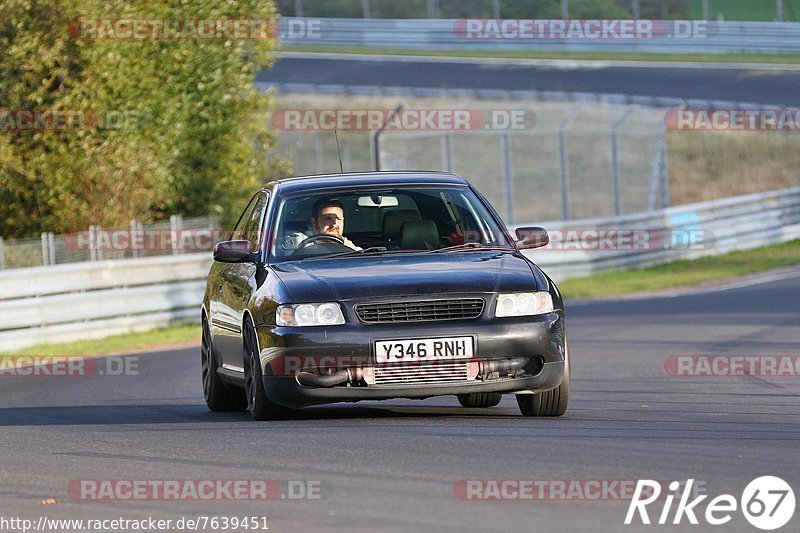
732 83
392 466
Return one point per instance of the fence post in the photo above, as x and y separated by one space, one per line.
298 8
375 140
2 255
664 172
507 176
375 149
705 10
51 244
45 250
779 10
635 8
496 9
137 232
447 152
175 226
346 155
657 176
562 155
616 183
432 8
365 11
93 231
564 9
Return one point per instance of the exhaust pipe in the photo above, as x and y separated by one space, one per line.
330 380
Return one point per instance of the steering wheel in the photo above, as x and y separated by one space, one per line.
315 238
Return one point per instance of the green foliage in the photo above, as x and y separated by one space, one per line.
664 9
193 139
594 9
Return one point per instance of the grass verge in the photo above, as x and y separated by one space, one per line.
683 273
789 59
169 337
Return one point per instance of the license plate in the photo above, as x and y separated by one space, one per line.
424 349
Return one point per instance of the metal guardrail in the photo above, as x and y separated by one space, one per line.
681 232
446 34
90 300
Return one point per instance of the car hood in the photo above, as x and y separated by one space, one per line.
355 278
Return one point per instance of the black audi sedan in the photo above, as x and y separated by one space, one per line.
379 285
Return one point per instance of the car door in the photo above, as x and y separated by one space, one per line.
220 315
238 284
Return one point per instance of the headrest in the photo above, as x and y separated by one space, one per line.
392 220
419 235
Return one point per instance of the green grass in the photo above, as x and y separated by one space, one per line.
683 273
183 334
542 54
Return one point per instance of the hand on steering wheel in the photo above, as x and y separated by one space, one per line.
315 238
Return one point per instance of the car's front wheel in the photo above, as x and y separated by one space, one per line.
259 405
548 403
479 399
218 396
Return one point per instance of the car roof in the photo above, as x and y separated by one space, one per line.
395 177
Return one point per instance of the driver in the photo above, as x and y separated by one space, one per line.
328 219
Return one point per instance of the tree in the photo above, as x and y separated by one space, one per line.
171 125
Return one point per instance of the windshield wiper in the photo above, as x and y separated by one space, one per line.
469 246
371 249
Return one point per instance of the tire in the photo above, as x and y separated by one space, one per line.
480 399
258 404
548 403
219 397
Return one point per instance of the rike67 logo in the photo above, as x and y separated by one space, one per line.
767 502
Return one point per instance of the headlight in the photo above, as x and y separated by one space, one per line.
523 304
327 314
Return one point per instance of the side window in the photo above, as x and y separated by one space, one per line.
250 228
238 228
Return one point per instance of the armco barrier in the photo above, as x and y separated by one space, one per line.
444 34
725 225
89 300
92 300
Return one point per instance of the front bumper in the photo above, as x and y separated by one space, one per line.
540 338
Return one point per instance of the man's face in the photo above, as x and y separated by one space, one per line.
330 221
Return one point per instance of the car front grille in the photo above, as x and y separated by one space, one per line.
420 311
443 372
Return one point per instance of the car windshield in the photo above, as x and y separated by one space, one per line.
389 221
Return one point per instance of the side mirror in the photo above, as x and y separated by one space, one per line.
233 252
532 237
